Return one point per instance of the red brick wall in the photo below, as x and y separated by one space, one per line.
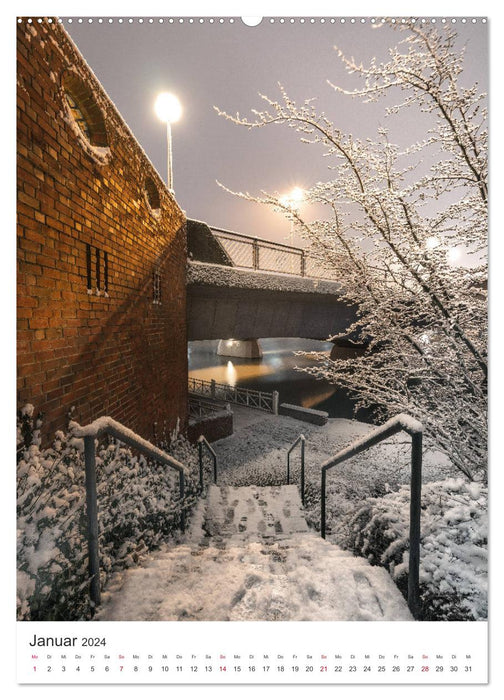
118 354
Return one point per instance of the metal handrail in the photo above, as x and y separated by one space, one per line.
203 442
101 426
301 439
253 398
295 257
199 407
265 241
395 425
302 259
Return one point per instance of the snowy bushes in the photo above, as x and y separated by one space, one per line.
138 508
453 558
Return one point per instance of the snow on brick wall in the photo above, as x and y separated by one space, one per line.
111 351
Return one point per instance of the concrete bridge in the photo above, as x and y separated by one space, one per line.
243 288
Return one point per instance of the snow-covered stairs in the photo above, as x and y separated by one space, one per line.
250 555
254 513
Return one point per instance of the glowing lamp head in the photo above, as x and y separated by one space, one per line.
293 199
297 195
168 108
453 255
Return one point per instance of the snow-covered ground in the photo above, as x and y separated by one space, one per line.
252 537
249 555
257 454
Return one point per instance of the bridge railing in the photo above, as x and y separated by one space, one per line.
255 253
262 400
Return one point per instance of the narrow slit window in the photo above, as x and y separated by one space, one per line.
156 287
105 272
98 276
97 263
88 267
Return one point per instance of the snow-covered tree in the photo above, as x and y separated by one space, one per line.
394 220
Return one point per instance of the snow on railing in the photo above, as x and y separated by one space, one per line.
262 400
395 425
102 426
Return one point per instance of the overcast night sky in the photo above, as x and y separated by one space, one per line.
228 65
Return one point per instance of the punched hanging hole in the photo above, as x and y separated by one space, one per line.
251 21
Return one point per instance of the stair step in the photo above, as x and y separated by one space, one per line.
249 555
304 578
248 513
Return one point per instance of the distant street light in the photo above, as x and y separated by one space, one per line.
453 255
293 201
169 110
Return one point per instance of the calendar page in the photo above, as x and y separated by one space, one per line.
252 349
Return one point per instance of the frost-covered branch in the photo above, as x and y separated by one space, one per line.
389 236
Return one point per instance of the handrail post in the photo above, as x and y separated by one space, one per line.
302 469
200 454
203 442
323 505
182 496
303 264
255 254
415 511
212 388
92 519
301 439
276 397
214 468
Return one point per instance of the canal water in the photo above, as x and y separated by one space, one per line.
278 369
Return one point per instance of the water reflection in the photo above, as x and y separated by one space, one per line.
231 374
276 370
234 372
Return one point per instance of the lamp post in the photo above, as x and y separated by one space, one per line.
169 110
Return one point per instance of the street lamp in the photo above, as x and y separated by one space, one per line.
293 202
453 255
293 199
169 110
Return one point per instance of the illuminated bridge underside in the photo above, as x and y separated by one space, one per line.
224 302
